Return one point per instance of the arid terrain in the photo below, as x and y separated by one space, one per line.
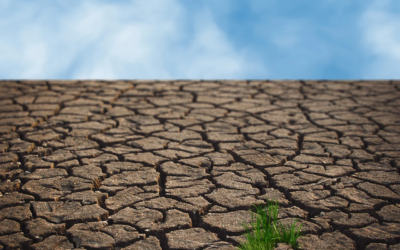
179 164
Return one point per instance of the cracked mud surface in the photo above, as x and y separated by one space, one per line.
178 164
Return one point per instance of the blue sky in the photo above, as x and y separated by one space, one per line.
207 39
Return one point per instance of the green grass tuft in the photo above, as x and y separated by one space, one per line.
268 231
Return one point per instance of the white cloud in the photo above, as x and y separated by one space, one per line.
113 40
216 56
381 40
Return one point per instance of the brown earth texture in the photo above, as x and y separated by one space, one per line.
179 164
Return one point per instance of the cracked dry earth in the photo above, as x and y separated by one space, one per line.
178 164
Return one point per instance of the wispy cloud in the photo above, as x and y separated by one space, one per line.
106 40
381 39
215 54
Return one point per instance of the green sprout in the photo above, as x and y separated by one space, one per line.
268 231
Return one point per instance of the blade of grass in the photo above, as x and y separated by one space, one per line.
267 230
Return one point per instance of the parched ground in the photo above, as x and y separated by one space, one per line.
178 164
